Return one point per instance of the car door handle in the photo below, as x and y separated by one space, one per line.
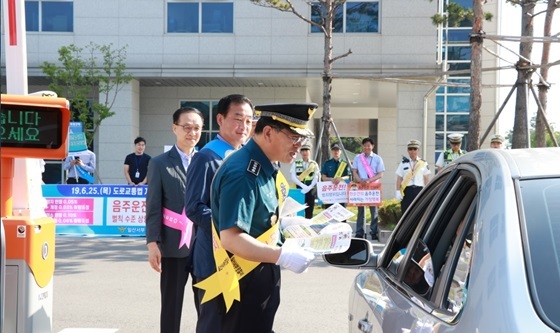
364 326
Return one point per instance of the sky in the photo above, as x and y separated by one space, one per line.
512 27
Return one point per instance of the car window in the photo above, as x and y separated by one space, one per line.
416 215
458 287
540 200
431 272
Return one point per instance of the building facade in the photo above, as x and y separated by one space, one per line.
187 52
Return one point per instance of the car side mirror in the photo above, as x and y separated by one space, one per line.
360 253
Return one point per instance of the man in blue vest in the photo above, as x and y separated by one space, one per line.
235 118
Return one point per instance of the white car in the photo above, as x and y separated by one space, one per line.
477 251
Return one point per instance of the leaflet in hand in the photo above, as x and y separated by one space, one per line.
324 233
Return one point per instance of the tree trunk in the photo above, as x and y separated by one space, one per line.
540 126
521 126
476 75
327 85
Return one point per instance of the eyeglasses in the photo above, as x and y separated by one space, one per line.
412 148
296 139
188 128
455 144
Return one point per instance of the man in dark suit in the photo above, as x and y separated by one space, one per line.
169 234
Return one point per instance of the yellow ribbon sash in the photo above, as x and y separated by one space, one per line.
306 172
229 270
419 165
340 170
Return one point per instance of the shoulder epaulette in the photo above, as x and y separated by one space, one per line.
254 167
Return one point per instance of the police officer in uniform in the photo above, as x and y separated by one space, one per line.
496 141
448 156
305 174
412 175
245 205
335 170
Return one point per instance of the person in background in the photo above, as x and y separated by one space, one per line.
448 156
234 116
368 167
412 175
169 234
79 167
245 197
305 174
136 164
497 141
335 170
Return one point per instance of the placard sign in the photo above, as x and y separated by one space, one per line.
364 195
330 193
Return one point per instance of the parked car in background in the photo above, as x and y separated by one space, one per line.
477 251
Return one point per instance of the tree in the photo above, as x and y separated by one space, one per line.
352 144
524 73
543 85
534 133
326 11
83 74
455 14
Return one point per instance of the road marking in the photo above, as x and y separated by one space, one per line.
89 330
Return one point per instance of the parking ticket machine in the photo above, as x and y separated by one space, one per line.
32 127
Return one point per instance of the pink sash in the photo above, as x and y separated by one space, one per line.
179 222
367 166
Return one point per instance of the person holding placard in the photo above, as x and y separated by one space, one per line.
368 167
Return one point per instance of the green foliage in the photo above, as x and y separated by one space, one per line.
389 213
84 74
549 142
457 16
352 144
278 4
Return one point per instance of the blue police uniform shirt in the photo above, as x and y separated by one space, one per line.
331 166
244 192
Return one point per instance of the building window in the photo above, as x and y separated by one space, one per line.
195 17
211 127
352 17
49 16
453 102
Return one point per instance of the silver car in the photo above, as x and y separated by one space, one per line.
477 251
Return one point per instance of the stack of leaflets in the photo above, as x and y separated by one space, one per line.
324 233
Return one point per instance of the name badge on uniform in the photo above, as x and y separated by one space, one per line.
137 174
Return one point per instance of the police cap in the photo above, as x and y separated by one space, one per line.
497 138
335 146
413 144
455 138
296 116
305 146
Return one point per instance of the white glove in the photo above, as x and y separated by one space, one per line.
305 189
293 220
295 259
398 195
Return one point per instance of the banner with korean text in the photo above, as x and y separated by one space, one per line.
97 209
368 194
330 193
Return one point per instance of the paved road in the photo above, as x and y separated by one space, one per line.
106 283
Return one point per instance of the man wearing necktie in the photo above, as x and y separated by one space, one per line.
169 234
